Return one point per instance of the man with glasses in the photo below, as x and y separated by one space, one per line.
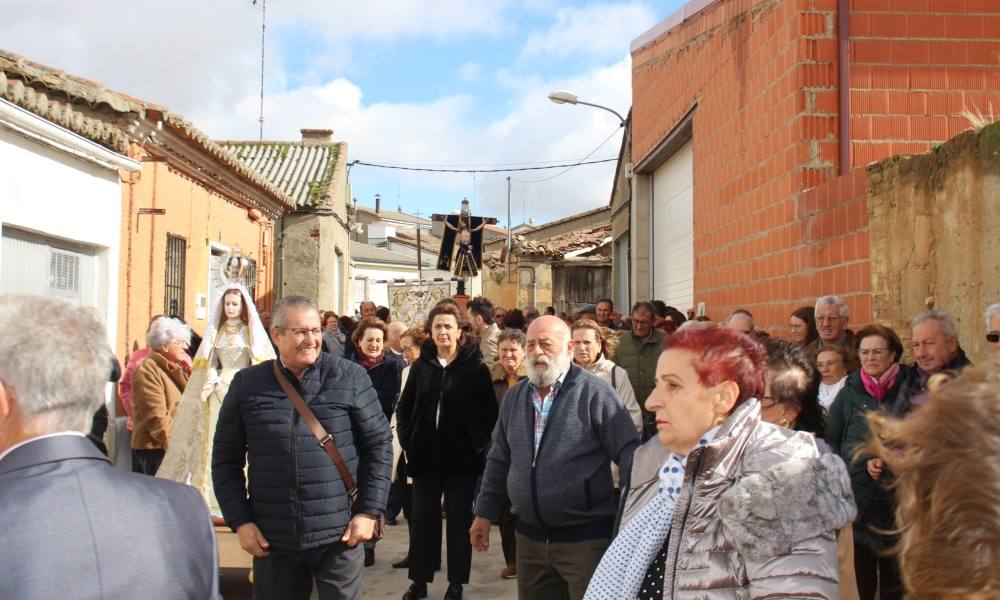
296 518
831 322
935 346
993 328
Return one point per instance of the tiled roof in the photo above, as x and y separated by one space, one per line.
303 171
555 248
97 113
366 253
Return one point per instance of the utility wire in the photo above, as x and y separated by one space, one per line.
508 170
581 162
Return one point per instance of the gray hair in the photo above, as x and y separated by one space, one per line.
56 359
947 323
835 301
165 330
299 303
991 312
739 312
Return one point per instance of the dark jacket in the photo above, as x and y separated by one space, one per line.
846 430
74 526
455 444
638 358
386 377
564 493
916 383
499 376
296 495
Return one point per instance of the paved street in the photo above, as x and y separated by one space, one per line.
383 582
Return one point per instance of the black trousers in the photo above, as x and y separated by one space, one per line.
508 541
147 462
425 534
400 493
876 572
289 574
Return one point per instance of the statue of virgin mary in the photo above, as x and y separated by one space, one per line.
234 339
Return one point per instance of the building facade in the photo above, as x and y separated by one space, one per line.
741 106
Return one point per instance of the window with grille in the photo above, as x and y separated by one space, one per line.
64 272
173 290
249 277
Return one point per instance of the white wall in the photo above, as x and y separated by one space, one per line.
57 194
379 292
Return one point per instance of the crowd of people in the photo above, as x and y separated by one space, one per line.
652 454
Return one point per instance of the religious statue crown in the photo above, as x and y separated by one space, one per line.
236 266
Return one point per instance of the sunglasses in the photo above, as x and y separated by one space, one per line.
993 338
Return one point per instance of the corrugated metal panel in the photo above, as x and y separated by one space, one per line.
673 230
35 264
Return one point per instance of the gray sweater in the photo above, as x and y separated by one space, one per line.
565 494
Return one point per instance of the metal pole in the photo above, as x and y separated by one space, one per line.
420 262
263 28
508 230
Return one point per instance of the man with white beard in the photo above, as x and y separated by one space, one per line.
557 434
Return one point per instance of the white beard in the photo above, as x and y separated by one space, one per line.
544 379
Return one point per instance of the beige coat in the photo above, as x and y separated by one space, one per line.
758 514
488 343
157 387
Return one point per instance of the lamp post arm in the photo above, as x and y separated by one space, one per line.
612 111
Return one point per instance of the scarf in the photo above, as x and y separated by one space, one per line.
370 362
879 388
624 565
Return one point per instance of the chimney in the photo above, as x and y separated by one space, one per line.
378 203
316 137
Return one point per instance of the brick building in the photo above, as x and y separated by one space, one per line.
742 106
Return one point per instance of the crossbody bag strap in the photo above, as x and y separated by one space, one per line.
325 439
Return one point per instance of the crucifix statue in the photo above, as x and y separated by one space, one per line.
462 244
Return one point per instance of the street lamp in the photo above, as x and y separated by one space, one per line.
564 97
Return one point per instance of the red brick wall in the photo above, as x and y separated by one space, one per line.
762 77
916 66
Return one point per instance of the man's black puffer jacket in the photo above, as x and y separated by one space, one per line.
296 495
455 445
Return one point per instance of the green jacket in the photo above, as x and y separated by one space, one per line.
638 358
846 430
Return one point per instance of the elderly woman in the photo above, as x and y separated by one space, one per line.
832 362
507 372
384 369
722 504
873 388
157 388
401 492
593 348
333 338
446 414
947 480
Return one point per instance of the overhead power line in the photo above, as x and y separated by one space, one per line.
505 170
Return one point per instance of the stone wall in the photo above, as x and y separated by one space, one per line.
935 235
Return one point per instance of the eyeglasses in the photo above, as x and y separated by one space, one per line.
829 363
405 349
876 352
993 337
300 332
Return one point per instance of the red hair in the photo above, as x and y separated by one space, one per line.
722 354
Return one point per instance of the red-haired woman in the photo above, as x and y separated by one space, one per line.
722 504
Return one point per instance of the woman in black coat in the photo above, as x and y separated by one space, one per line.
384 369
445 417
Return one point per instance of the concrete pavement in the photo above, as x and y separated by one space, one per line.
382 582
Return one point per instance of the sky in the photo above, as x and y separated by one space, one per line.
459 84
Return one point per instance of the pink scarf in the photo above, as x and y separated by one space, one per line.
879 388
370 362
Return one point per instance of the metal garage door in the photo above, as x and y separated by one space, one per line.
35 264
673 230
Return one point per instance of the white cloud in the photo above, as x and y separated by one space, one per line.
597 30
202 59
471 71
